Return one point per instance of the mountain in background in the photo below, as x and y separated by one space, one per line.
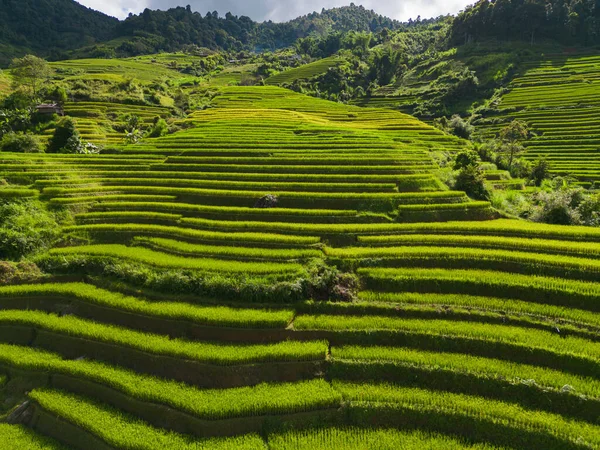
170 30
55 28
50 27
61 29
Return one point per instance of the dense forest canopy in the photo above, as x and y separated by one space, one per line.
171 29
52 26
570 22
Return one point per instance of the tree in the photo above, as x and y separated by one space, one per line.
516 131
472 180
132 122
511 136
160 128
540 171
456 125
14 120
466 158
460 127
30 73
589 210
385 64
65 130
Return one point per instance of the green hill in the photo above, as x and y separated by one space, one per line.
288 272
558 98
202 259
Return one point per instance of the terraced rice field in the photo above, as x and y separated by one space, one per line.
559 98
143 69
95 120
5 83
468 331
304 72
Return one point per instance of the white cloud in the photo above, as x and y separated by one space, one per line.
118 8
281 10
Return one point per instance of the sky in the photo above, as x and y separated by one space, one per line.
282 10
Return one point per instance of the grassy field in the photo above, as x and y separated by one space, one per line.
285 272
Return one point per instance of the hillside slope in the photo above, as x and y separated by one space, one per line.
287 272
558 97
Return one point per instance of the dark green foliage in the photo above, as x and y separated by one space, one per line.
466 158
562 204
556 207
151 31
471 180
385 64
159 129
56 94
20 143
50 27
17 100
15 120
540 171
131 122
55 28
320 282
74 145
329 283
456 126
65 130
516 131
510 145
567 21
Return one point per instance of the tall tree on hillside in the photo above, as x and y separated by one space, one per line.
30 73
511 136
385 64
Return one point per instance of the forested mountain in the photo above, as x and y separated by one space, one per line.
570 22
351 18
171 29
50 27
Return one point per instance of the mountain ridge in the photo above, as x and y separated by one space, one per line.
55 28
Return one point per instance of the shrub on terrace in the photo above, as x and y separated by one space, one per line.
65 130
466 158
471 180
456 125
329 283
21 272
539 171
589 210
555 207
20 143
159 129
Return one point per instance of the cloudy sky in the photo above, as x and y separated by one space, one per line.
281 10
